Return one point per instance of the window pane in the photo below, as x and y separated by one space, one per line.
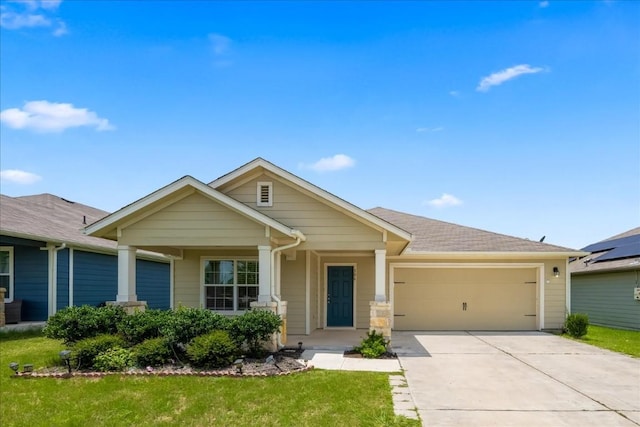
248 272
246 294
219 298
218 272
4 262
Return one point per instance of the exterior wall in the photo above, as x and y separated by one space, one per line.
95 278
324 226
187 279
31 276
152 283
607 298
194 221
555 304
364 283
62 268
293 290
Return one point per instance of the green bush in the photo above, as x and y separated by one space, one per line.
152 352
254 327
213 350
184 324
373 346
85 352
577 325
143 325
73 324
114 359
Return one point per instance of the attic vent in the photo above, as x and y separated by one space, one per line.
265 194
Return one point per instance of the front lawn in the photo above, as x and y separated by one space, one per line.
622 341
303 399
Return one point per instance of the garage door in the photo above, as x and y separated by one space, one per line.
465 299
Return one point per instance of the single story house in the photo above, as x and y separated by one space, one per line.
47 262
606 283
262 236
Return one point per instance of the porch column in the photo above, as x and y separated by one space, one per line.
126 274
381 271
264 275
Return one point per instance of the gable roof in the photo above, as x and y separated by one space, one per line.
351 209
433 236
49 218
106 225
619 252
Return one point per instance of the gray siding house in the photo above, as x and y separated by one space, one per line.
606 284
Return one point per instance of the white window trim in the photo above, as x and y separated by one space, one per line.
11 290
203 286
259 201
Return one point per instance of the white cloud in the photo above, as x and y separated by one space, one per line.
219 43
19 177
502 76
45 116
31 14
543 4
454 93
444 201
327 164
424 130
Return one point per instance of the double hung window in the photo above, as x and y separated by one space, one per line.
230 284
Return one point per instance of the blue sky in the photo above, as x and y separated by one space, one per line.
521 118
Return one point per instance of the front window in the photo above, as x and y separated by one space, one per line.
230 284
6 271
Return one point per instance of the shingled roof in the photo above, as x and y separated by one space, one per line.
50 218
430 235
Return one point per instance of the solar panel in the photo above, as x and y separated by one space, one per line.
626 251
611 244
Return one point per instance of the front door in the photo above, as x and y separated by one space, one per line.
340 296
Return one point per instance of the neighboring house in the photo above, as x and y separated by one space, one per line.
606 283
47 262
261 236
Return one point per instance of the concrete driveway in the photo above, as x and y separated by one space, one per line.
517 379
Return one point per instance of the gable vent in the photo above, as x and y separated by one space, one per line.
265 194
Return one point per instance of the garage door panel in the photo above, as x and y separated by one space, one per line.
469 299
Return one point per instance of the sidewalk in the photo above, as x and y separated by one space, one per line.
335 360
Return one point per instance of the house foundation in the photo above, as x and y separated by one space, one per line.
130 307
380 318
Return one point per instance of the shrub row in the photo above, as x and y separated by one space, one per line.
106 338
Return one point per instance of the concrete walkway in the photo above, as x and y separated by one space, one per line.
517 379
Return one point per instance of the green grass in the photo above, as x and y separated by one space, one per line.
622 341
303 399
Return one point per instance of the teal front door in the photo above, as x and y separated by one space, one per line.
340 296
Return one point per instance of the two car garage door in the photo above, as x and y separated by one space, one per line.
465 298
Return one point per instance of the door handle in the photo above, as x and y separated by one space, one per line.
464 306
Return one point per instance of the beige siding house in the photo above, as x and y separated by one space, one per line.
263 237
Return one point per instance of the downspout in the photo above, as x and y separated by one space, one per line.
299 239
53 270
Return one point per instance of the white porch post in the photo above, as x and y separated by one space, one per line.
264 277
381 268
126 274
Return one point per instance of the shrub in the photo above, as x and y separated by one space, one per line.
254 327
577 325
73 324
114 359
152 352
85 351
373 346
184 324
213 350
143 325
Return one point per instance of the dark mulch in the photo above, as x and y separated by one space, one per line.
354 354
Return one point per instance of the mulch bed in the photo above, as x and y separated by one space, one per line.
355 355
284 362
